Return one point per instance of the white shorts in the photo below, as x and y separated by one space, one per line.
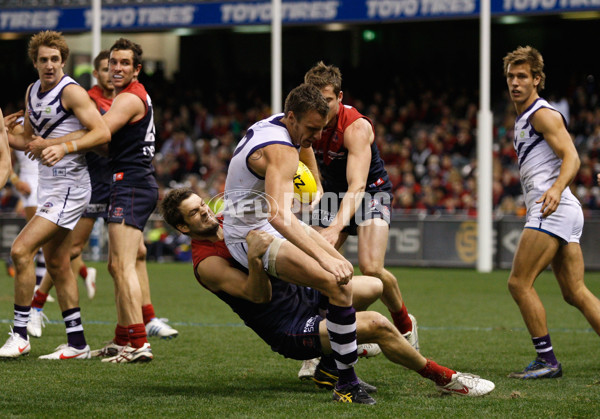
63 206
566 222
239 250
30 200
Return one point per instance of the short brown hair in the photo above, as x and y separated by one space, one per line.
169 207
305 98
530 56
102 55
51 39
322 75
125 44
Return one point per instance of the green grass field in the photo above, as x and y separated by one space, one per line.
218 368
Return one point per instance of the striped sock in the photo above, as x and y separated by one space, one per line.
40 267
21 318
72 319
341 326
543 347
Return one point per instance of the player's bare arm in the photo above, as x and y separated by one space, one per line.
126 108
551 125
76 99
357 139
279 164
19 138
217 275
307 156
5 163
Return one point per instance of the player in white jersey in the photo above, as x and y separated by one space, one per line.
259 194
56 106
548 162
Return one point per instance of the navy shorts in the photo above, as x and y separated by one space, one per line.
375 204
98 206
132 204
302 340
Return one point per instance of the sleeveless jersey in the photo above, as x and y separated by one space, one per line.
539 166
131 148
246 207
99 166
103 103
332 156
50 120
271 321
27 168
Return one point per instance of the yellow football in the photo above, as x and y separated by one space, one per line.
305 186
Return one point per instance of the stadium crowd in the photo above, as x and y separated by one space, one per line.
427 138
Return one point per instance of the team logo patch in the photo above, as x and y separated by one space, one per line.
59 172
47 204
117 212
118 176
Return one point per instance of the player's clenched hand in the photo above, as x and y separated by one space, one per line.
342 270
550 200
34 148
52 155
258 243
331 235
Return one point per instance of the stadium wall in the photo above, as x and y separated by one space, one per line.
426 241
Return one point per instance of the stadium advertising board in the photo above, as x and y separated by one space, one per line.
206 14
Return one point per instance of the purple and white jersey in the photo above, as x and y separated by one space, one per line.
246 207
539 166
49 119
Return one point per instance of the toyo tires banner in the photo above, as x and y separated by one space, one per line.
206 14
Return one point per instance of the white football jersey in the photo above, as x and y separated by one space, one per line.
49 119
246 207
539 166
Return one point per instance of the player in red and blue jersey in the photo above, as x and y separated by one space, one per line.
356 191
285 315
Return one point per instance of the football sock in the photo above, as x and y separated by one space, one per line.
543 347
148 313
21 318
72 319
341 326
40 267
83 271
440 375
328 361
121 335
401 320
137 335
39 299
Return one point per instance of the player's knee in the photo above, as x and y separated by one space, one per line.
514 286
142 251
377 324
76 250
372 268
20 254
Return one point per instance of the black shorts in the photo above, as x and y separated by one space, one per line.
98 206
132 204
375 204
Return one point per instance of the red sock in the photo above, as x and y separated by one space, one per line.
401 320
39 299
83 271
137 335
148 313
121 335
440 375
